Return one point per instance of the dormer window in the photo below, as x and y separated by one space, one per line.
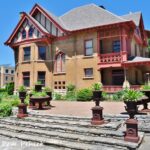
24 34
30 33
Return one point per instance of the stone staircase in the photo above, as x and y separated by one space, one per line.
68 132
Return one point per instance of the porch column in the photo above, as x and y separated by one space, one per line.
124 40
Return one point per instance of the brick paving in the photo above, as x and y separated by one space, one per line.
84 108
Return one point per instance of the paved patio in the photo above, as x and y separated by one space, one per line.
84 108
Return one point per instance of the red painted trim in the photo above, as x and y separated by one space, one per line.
25 16
36 6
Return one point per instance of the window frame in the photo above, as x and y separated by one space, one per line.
85 72
86 48
41 80
23 34
31 28
116 46
39 57
62 68
26 77
24 59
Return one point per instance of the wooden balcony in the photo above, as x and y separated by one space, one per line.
116 88
112 59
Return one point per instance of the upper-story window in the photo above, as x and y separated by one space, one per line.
12 71
24 34
116 46
27 52
30 33
42 52
6 71
60 62
88 47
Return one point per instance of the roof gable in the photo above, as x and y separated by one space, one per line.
15 36
134 17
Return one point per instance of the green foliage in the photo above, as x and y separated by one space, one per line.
38 83
22 89
71 96
47 89
146 87
132 95
10 88
5 109
2 90
70 87
57 96
118 95
97 86
84 94
105 96
39 94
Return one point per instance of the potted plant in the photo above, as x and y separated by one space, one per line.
22 92
131 97
97 90
48 91
38 86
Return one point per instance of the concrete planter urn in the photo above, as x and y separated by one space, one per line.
22 107
131 98
131 108
97 111
146 101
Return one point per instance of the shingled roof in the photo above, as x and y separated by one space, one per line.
134 17
88 16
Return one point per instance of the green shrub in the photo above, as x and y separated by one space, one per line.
84 94
39 94
57 96
0 99
71 96
47 89
22 89
118 95
14 102
105 96
70 87
2 90
10 88
5 109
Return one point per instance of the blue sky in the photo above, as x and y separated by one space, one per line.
9 15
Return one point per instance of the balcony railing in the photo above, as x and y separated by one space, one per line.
116 88
113 57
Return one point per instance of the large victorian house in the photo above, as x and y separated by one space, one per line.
88 44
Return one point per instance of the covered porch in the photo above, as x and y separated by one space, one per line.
136 72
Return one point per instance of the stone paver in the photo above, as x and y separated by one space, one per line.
73 108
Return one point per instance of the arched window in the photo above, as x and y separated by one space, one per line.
60 62
24 34
30 32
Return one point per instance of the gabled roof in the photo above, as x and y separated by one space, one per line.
134 17
35 23
88 16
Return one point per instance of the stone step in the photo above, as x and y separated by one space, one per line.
76 138
62 144
108 125
62 127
